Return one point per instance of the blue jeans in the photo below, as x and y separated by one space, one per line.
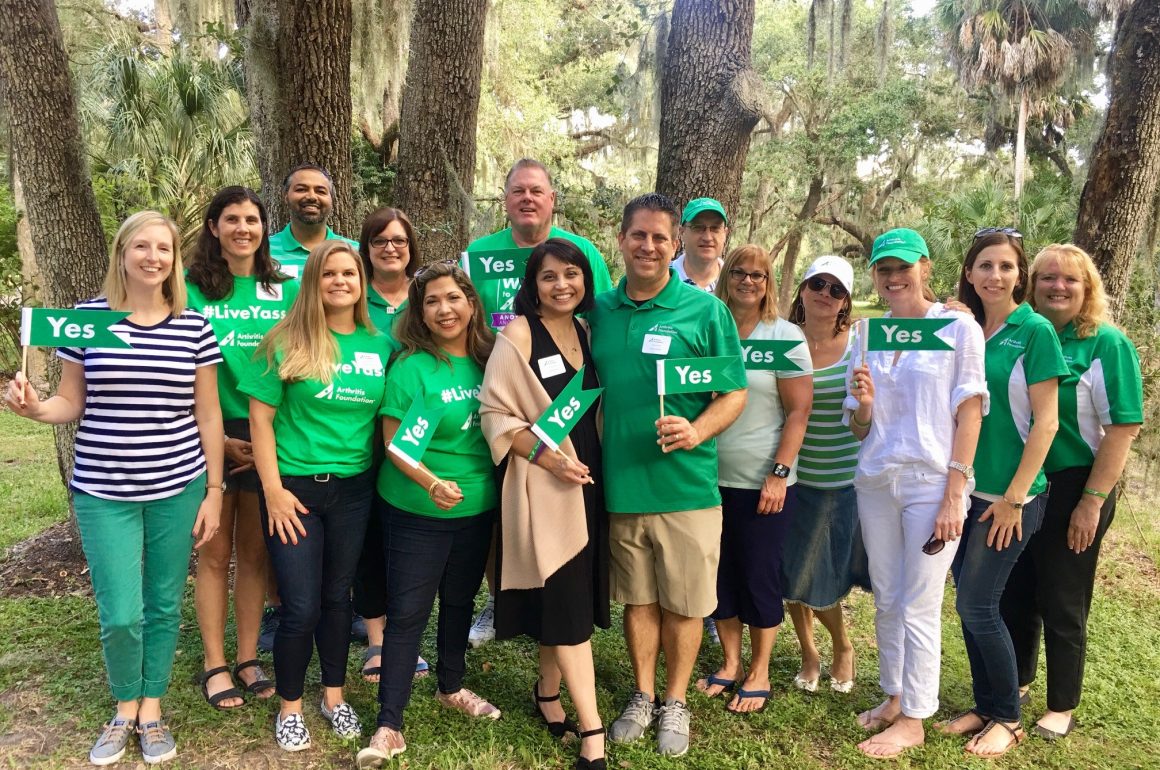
981 574
428 556
314 577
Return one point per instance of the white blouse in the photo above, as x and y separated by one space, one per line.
916 400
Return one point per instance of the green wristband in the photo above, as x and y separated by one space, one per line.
1095 493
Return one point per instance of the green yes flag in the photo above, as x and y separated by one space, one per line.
496 263
46 327
908 334
562 414
697 375
415 430
769 355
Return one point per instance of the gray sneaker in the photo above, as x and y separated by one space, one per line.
110 747
673 728
638 716
157 744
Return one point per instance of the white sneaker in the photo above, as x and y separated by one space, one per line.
291 733
483 629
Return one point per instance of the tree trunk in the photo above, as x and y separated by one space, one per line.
1125 163
437 122
1021 144
298 82
710 101
794 242
49 159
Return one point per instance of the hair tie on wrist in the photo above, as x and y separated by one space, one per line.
1095 493
431 489
537 450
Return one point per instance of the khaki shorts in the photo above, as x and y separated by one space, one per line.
669 558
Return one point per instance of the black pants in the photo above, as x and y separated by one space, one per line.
370 580
1050 592
314 577
426 557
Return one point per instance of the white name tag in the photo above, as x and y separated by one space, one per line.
656 344
551 366
274 294
368 360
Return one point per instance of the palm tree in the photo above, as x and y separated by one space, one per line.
1023 48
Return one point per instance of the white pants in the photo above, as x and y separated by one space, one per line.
897 513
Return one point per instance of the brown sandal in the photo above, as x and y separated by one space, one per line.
1017 737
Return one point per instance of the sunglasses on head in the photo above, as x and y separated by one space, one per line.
1009 231
819 284
430 265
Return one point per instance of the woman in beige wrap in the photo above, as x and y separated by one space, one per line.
552 565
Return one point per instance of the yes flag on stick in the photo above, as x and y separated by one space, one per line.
415 430
46 327
565 411
769 355
697 375
908 334
496 263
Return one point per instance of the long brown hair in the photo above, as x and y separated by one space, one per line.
208 269
967 294
309 350
413 334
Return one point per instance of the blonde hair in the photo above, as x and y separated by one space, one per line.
1094 311
116 280
309 349
768 304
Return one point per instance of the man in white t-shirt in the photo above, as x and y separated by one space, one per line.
704 233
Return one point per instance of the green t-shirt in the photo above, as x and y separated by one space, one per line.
498 294
239 322
384 315
1025 351
1103 387
627 340
458 451
291 255
323 428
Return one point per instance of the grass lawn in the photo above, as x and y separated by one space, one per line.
53 695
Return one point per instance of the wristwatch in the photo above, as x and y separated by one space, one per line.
963 468
221 486
780 470
1015 504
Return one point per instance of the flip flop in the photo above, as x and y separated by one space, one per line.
898 748
743 694
726 685
370 652
421 668
1017 737
875 724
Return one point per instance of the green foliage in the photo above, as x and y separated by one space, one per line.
13 292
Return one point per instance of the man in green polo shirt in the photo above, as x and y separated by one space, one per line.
660 474
529 200
309 193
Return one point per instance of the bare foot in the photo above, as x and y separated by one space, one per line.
751 696
894 740
996 739
726 673
966 723
881 716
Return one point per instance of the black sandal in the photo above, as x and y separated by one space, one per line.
216 699
259 685
583 763
557 729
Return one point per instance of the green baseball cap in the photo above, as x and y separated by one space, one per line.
900 243
699 205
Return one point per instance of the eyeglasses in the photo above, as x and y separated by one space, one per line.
741 275
716 229
1010 231
399 242
819 284
933 546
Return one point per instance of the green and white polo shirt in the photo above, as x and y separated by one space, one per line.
291 255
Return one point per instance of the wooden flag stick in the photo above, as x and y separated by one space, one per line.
662 404
24 371
864 338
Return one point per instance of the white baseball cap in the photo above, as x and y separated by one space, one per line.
835 266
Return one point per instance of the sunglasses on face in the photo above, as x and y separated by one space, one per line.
933 546
818 284
1009 231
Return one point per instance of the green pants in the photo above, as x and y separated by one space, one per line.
138 554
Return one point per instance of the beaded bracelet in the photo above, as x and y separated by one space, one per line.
1095 493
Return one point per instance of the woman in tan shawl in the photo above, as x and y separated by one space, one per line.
552 566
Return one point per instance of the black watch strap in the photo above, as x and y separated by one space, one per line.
780 470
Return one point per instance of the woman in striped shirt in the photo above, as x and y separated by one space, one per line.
148 469
824 556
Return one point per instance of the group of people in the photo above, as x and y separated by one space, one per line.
268 373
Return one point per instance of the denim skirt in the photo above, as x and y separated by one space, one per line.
824 556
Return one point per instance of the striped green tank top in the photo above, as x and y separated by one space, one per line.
829 451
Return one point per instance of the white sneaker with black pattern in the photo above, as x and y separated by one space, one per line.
291 733
342 718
